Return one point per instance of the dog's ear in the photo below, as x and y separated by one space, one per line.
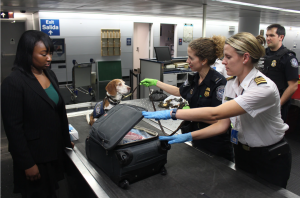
111 88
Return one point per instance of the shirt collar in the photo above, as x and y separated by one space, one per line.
246 82
269 51
207 78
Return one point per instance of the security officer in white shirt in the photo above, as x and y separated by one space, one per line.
251 102
248 95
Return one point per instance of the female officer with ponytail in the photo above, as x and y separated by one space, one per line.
204 89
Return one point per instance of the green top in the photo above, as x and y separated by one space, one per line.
52 93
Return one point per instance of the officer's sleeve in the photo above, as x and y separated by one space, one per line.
217 96
257 100
291 68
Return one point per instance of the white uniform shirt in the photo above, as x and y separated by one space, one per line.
219 67
262 124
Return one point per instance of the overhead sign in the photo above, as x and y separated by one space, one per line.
50 27
7 15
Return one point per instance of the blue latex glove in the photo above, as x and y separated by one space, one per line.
157 115
177 138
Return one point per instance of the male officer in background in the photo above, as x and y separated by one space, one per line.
281 66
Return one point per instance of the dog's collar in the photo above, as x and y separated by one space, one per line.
112 101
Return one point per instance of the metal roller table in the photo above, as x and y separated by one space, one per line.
191 173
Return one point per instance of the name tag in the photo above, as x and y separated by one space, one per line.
234 136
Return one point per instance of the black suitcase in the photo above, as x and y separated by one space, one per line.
130 162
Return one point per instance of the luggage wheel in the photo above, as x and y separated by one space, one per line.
92 93
124 184
73 98
163 171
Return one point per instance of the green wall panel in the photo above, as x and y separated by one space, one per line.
109 70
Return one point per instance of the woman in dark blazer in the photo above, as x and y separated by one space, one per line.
34 118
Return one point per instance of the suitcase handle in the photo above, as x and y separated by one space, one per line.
164 146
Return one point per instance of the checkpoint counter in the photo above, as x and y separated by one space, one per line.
190 172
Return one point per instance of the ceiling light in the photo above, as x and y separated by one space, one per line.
257 6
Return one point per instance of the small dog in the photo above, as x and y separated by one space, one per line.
115 90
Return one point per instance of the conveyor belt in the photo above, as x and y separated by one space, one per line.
190 173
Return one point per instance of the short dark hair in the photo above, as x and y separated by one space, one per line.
280 29
26 46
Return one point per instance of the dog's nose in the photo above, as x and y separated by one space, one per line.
128 88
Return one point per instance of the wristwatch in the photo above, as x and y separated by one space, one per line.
173 115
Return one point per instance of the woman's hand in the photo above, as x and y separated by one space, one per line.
147 82
157 115
177 138
72 143
33 173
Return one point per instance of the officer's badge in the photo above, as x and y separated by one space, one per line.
294 63
191 91
273 64
206 93
220 92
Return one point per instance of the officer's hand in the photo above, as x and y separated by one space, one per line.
177 138
33 173
157 115
147 82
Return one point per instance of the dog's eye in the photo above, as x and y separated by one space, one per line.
120 84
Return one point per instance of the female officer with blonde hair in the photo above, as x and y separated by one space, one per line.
251 102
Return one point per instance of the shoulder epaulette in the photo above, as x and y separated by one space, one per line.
260 80
230 78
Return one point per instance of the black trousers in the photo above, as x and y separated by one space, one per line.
219 145
276 170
